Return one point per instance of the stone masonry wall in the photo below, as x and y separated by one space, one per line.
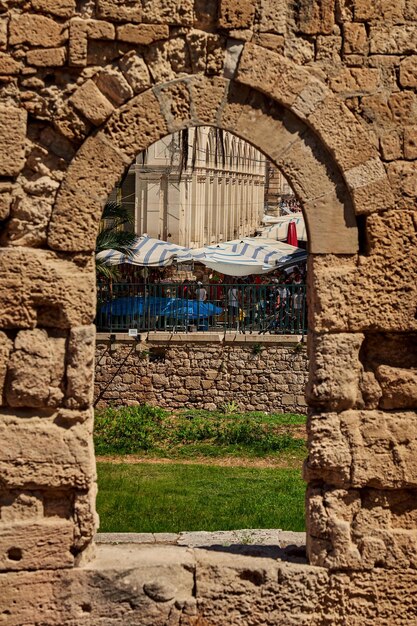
327 89
256 373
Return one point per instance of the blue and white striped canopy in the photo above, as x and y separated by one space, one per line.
277 227
250 255
147 252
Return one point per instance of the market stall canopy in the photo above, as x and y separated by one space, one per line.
250 255
147 252
277 227
241 257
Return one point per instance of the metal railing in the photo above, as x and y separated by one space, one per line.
266 308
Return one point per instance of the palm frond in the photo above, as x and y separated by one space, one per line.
108 271
109 239
117 213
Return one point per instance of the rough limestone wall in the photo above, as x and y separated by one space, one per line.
327 89
255 376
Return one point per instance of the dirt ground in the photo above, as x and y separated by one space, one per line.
229 461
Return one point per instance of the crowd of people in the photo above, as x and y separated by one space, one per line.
273 302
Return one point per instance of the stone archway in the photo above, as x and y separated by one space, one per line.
75 144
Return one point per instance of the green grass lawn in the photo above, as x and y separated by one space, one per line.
154 432
172 498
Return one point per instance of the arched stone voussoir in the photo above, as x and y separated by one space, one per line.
98 165
304 161
195 101
313 102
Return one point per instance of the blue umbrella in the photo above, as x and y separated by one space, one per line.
190 309
135 306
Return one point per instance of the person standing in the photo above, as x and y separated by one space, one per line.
200 293
233 303
201 296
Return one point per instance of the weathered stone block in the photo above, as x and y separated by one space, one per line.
136 126
408 72
316 16
114 86
61 8
403 177
81 30
175 103
89 100
351 143
36 369
391 146
8 65
376 293
207 95
120 10
36 545
262 69
39 288
399 387
80 367
360 529
4 21
273 17
329 51
136 71
364 449
51 57
142 34
36 30
12 140
356 81
192 382
410 142
37 452
403 106
393 39
355 39
175 12
18 506
5 200
335 370
6 345
236 14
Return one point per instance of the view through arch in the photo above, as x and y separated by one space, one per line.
209 283
64 147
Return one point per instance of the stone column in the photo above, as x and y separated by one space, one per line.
361 467
47 493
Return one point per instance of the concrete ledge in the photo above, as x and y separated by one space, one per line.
202 337
282 340
161 337
120 337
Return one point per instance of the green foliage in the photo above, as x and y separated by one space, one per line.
173 498
300 347
229 408
257 348
113 236
145 429
128 429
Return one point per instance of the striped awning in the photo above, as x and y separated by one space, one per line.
147 252
278 228
250 255
241 257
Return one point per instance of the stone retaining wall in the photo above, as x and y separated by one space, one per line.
257 373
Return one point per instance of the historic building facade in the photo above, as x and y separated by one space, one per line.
217 195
